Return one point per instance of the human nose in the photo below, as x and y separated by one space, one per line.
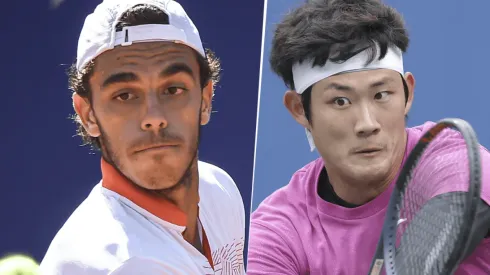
154 119
367 123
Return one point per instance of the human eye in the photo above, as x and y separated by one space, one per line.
175 90
382 96
341 101
126 96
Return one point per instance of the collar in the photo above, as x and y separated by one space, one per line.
163 209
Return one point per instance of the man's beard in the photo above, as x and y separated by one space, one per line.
111 157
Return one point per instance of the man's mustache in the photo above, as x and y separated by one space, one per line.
164 137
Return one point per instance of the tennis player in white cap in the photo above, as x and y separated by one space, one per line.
143 86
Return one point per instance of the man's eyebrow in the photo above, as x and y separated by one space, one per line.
126 77
381 82
346 88
339 87
176 68
123 77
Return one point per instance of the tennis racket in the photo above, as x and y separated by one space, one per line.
426 228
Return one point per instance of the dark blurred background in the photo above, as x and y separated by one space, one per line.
45 172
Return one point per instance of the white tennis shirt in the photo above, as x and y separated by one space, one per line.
119 230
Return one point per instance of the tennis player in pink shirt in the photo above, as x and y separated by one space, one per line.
343 64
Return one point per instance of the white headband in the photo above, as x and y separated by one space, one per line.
305 74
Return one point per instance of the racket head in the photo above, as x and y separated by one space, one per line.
439 260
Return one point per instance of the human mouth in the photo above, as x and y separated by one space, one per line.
368 152
156 148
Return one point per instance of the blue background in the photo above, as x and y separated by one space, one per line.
45 173
448 55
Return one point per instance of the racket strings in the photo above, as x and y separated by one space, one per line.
431 209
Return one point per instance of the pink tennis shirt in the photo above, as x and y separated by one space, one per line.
294 231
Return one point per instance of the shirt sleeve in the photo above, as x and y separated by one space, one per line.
147 266
269 253
237 219
478 262
241 220
444 168
71 268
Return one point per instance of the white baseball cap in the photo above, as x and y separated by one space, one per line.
99 30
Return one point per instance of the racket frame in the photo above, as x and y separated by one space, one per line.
386 248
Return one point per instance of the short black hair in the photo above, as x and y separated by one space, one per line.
334 30
142 14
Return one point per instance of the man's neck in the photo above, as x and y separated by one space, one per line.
358 193
178 205
186 197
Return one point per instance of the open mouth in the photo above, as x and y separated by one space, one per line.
369 151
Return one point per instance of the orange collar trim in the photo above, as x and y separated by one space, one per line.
207 249
165 210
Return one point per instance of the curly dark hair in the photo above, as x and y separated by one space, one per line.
334 30
78 81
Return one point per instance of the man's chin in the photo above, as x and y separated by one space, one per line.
156 173
161 176
154 179
161 184
374 170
